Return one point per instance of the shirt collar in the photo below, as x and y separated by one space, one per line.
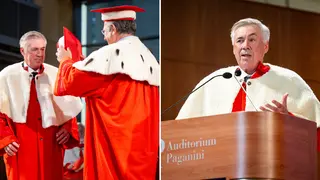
26 67
260 71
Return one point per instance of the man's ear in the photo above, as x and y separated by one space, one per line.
22 51
113 28
266 47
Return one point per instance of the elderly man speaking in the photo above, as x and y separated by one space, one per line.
269 87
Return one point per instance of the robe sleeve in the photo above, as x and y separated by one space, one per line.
72 127
6 133
71 81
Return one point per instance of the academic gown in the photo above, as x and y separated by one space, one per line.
122 120
39 156
267 83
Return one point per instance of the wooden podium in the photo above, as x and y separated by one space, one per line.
245 145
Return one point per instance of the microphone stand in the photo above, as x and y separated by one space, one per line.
226 75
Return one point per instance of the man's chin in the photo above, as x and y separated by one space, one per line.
245 59
38 63
248 68
244 64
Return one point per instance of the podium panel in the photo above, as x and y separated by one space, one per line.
244 145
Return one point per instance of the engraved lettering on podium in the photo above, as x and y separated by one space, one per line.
192 150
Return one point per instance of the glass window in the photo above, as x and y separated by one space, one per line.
147 24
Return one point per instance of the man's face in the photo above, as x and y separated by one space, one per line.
34 52
249 48
109 34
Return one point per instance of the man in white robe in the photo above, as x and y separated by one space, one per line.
270 87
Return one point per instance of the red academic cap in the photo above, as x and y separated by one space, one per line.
124 12
69 40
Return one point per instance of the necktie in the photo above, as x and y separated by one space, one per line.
34 74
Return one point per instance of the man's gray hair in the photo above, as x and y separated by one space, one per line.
250 21
125 26
31 35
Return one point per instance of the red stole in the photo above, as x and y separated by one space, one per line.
239 103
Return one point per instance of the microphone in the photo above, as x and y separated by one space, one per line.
238 73
226 75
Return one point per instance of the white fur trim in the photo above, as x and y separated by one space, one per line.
15 92
128 56
217 96
118 15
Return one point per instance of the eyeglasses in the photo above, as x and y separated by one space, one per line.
103 31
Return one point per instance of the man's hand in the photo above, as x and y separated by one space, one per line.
279 107
11 149
62 53
63 136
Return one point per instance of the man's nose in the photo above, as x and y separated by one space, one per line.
245 45
40 53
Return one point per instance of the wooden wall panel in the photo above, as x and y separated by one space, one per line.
195 41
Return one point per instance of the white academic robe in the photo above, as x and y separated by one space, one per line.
218 95
15 85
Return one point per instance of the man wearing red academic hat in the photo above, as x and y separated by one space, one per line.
120 84
35 126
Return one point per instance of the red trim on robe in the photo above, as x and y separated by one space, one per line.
26 68
290 114
239 103
127 19
260 71
318 139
